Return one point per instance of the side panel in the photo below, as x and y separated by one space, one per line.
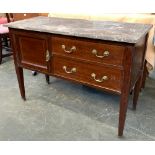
138 60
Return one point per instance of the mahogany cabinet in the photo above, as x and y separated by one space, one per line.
51 46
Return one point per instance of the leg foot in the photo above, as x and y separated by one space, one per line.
122 113
24 98
47 79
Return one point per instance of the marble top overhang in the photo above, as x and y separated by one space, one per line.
103 30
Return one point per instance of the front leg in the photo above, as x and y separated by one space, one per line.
123 110
47 78
125 90
20 77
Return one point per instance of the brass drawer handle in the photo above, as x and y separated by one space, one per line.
73 48
73 70
105 53
104 78
47 56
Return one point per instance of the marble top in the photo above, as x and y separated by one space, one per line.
103 30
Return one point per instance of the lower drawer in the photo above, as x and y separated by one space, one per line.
95 75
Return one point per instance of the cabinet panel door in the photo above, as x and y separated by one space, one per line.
32 49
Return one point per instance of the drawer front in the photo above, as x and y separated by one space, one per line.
96 75
88 50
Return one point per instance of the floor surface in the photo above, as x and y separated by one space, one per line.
66 111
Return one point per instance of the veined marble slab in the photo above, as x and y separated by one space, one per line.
103 30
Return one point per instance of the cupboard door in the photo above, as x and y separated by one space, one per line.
32 51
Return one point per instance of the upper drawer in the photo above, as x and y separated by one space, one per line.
89 50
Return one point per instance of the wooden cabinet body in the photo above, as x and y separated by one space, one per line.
85 61
32 48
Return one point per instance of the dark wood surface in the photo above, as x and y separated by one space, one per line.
21 16
43 52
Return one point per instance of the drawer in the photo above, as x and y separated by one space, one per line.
88 50
95 75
